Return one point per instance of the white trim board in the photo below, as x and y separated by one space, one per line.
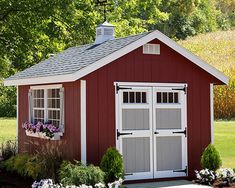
17 119
119 53
83 120
212 112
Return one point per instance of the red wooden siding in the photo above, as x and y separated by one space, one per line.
168 67
70 141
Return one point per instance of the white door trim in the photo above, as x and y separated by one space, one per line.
149 84
161 86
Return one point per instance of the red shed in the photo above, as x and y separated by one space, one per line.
144 94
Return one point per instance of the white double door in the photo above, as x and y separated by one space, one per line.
151 131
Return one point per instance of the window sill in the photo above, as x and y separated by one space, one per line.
43 136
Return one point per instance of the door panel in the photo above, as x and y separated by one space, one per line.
135 119
170 155
135 131
168 118
169 125
136 154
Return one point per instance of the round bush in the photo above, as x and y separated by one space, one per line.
112 165
210 158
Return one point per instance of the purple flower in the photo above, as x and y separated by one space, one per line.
49 129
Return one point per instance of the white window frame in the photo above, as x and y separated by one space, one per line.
46 109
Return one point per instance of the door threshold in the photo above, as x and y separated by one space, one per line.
156 180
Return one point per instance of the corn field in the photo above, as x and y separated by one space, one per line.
224 98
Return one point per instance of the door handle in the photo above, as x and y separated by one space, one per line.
155 132
121 134
180 132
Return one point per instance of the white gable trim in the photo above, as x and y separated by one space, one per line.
119 53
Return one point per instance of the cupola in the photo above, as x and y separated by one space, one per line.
104 32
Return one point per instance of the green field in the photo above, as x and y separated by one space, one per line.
7 129
225 141
224 138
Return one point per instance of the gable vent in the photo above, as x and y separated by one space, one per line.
151 49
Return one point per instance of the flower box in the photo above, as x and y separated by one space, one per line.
44 131
43 135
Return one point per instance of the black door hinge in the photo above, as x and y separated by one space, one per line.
119 88
183 170
181 89
121 134
128 174
179 132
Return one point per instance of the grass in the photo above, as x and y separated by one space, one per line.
224 138
7 129
225 142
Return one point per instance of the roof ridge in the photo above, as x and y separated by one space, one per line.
134 35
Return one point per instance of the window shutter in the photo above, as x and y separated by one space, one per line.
62 109
30 105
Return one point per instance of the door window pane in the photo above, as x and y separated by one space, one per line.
134 97
167 97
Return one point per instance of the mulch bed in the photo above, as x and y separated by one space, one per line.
222 184
10 180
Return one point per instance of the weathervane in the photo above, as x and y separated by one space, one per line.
104 4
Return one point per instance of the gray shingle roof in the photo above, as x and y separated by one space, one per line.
75 58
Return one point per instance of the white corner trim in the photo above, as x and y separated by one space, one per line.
119 53
212 112
83 121
17 119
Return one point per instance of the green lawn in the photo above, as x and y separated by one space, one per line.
7 129
224 138
225 141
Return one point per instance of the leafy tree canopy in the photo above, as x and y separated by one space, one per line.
32 30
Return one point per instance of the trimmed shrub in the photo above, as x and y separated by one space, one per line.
112 165
8 149
210 158
77 174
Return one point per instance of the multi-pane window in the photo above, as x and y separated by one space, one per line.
46 106
167 97
53 106
134 97
38 105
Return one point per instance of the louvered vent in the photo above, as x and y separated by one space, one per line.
98 32
151 49
108 31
